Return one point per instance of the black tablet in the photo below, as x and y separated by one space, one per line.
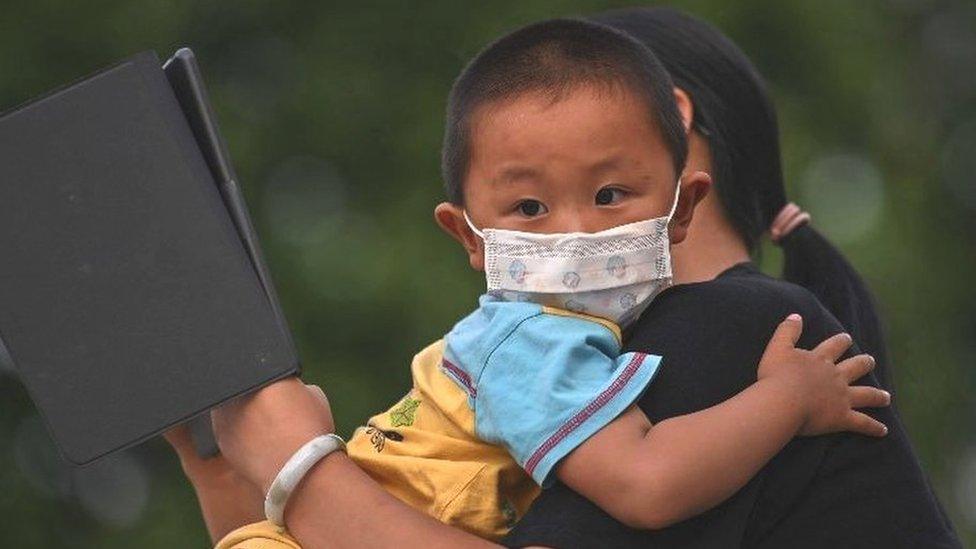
129 301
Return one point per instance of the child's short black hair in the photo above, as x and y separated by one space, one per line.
554 57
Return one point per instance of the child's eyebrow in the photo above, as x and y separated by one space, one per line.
605 165
515 173
615 163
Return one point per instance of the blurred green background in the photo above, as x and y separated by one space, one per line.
333 113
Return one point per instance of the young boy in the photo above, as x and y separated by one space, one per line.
564 145
562 157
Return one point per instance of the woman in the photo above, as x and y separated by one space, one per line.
734 119
852 500
825 490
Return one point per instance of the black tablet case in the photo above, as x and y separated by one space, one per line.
129 301
186 79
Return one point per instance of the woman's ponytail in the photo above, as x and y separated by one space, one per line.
811 261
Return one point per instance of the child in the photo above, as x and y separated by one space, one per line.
562 157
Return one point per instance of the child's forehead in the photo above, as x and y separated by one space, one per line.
596 129
572 104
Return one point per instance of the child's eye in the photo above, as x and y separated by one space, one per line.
608 195
531 208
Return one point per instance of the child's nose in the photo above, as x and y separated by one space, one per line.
575 220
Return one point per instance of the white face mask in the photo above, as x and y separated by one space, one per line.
613 274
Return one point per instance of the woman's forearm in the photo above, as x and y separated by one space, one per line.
227 500
226 508
338 506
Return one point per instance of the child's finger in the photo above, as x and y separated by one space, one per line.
856 367
868 397
859 422
788 332
833 347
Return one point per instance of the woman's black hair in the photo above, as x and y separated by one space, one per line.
734 113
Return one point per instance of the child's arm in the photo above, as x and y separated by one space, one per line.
653 476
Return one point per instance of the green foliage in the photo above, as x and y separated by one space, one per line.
333 113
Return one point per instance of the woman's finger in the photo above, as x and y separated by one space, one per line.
179 438
318 392
326 409
833 347
856 367
868 397
859 422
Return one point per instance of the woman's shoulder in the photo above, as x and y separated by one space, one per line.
713 334
730 317
740 295
746 283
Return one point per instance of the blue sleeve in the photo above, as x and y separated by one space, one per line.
552 383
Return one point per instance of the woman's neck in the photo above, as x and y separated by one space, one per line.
711 247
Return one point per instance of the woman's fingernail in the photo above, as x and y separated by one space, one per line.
887 397
884 430
794 316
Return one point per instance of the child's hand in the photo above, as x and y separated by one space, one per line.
822 384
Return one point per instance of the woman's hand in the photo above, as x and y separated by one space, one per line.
227 500
258 433
823 385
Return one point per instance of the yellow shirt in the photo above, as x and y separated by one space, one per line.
424 451
260 535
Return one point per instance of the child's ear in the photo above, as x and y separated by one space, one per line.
694 187
685 107
450 217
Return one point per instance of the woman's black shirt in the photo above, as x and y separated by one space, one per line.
834 491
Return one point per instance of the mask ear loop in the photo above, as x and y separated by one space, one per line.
471 225
674 205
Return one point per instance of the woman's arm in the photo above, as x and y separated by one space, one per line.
652 477
340 506
337 505
227 500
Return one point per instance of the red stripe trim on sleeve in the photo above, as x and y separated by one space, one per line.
596 404
461 376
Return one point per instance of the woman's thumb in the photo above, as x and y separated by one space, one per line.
317 392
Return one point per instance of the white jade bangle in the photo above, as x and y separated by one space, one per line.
294 470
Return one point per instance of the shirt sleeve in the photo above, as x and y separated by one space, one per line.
553 382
